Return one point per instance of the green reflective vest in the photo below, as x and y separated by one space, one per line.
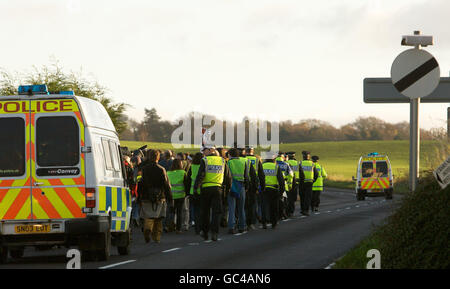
194 173
295 167
176 179
237 168
214 171
254 162
270 173
318 184
308 170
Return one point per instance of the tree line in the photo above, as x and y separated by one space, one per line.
154 129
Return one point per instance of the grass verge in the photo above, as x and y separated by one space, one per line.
414 237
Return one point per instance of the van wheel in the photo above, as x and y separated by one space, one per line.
125 250
389 195
16 253
3 255
104 251
360 196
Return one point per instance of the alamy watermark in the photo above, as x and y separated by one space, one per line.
375 261
75 259
249 132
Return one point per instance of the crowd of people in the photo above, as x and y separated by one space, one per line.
218 187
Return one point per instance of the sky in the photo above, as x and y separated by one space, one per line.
271 59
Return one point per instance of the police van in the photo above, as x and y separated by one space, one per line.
374 176
62 179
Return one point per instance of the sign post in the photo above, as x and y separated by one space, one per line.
415 73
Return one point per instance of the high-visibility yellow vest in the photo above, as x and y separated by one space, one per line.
318 184
254 162
176 179
270 173
194 173
214 171
308 170
295 167
237 168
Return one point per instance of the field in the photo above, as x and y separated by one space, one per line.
340 158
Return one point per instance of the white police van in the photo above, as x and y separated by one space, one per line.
62 180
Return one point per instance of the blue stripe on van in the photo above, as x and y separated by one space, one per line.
119 199
122 225
113 225
108 198
127 193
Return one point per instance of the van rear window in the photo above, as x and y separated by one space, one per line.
367 169
57 141
382 169
12 147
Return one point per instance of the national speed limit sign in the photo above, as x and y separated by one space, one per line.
415 73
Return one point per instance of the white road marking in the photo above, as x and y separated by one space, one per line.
348 208
170 250
328 211
207 241
357 206
194 244
316 213
117 264
330 266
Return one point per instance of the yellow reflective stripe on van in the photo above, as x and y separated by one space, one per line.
109 197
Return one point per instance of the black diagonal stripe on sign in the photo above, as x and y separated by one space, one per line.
416 74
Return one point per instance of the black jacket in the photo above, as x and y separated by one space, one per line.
154 177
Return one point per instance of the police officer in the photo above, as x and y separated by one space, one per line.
224 219
213 179
194 202
253 199
317 185
273 189
308 175
288 177
236 198
292 194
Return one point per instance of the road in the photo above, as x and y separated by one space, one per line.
299 242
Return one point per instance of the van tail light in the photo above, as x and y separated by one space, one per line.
90 197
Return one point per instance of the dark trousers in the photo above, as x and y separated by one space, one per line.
270 202
305 196
282 207
250 208
211 208
195 212
292 198
315 201
178 211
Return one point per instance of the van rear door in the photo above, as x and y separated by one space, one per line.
57 163
15 152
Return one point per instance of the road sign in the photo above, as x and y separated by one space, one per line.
415 73
442 174
381 90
